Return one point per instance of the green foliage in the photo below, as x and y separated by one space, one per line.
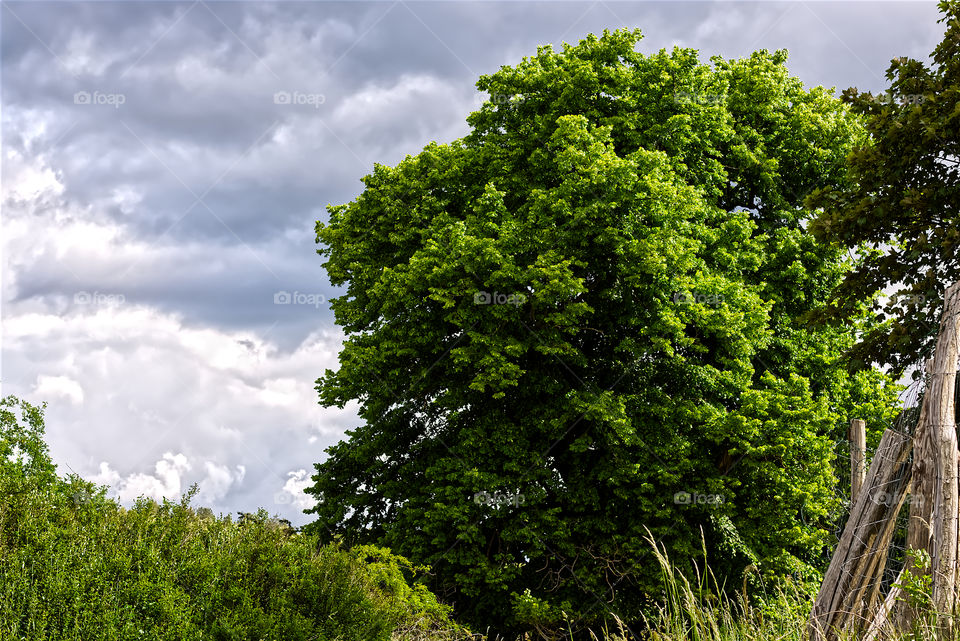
586 319
696 608
900 208
75 565
916 586
392 583
25 464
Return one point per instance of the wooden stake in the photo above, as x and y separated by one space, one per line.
858 452
860 556
921 513
939 404
848 595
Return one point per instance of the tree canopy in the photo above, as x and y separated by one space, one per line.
584 322
901 207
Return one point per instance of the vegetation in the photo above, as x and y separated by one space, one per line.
580 339
587 318
900 208
75 565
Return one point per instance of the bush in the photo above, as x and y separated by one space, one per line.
76 565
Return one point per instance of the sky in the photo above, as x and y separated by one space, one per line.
164 165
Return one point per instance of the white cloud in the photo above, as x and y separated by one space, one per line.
165 482
28 180
293 490
61 386
234 409
218 481
169 480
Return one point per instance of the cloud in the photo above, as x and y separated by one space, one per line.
168 480
293 490
58 386
227 410
218 481
165 482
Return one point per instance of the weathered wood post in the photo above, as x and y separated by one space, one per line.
939 405
935 508
921 515
857 564
858 453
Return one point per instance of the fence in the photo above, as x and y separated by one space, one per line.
908 499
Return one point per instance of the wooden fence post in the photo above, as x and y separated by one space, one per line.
939 405
858 452
857 564
848 598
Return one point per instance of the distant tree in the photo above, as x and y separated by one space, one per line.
901 208
25 463
584 320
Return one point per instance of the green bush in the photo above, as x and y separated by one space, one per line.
76 565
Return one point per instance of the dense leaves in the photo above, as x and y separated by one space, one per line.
902 207
584 320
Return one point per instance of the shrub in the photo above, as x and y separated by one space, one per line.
76 565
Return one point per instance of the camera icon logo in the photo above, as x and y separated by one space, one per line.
482 298
682 498
281 98
281 298
81 298
81 98
883 498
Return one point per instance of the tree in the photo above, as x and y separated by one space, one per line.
25 463
583 320
901 207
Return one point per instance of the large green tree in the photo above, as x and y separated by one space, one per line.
583 321
901 207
